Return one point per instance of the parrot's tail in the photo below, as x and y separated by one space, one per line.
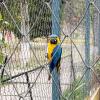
58 66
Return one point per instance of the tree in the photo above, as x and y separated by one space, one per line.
36 8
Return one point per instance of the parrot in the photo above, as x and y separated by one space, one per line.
54 52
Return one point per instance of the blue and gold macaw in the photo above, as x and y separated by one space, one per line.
54 53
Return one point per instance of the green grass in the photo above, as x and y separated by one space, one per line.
74 93
4 77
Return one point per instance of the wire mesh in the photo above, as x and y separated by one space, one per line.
25 27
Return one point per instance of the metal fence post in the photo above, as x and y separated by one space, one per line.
55 30
87 48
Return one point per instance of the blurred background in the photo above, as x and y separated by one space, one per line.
24 29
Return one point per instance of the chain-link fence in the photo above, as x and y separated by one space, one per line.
25 26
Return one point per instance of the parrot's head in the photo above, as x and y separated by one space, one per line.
54 39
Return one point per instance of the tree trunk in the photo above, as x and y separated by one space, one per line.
25 48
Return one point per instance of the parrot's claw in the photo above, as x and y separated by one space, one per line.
49 77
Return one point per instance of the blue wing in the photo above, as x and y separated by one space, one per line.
56 56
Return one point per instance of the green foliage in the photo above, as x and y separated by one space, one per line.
43 14
1 79
97 68
2 44
74 93
37 10
1 57
1 17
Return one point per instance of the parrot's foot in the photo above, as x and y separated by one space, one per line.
49 77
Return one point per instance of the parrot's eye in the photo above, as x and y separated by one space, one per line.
53 41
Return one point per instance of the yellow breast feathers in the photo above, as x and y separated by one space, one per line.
50 49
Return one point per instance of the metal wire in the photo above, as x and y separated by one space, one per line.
17 44
30 46
44 66
88 67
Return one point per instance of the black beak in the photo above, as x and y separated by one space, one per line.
53 41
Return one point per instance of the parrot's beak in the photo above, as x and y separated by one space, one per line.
53 41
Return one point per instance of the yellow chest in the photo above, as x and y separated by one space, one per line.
50 50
